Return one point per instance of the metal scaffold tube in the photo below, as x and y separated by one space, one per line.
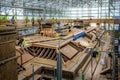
116 45
59 63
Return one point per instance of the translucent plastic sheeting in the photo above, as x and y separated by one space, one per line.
28 31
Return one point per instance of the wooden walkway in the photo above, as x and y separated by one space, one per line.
96 72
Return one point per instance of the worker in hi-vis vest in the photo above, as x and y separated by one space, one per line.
23 43
26 20
56 35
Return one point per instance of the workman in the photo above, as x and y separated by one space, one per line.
23 43
26 20
40 25
20 41
32 20
94 53
13 20
69 27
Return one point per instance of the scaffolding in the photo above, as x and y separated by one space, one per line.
58 8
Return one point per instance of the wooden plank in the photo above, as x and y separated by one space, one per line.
77 47
38 51
45 62
52 43
105 70
46 53
53 55
36 77
68 51
66 42
32 51
42 52
51 52
86 64
8 60
86 38
26 57
43 39
18 50
104 21
63 61
65 58
91 29
44 45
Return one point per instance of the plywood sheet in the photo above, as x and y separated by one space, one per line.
69 51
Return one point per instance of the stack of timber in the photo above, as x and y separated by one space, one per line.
48 30
8 63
